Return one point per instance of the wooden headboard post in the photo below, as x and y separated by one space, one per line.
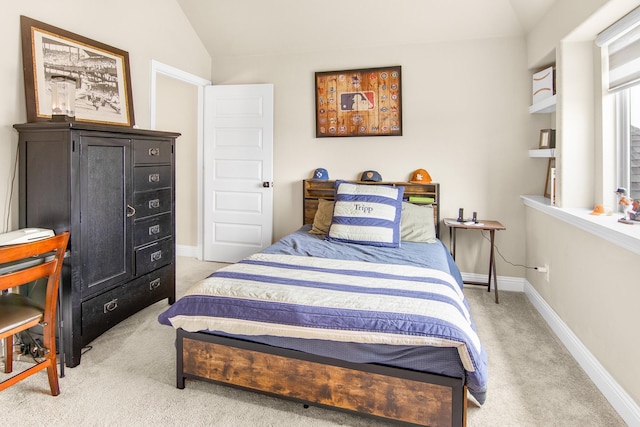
314 190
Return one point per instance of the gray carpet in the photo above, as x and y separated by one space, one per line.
128 378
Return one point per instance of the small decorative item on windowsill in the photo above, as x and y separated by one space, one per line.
63 98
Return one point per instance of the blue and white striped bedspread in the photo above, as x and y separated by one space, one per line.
329 299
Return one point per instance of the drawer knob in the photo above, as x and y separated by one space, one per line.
154 204
154 177
110 306
155 151
154 229
154 284
156 256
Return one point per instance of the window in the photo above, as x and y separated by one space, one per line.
622 43
628 143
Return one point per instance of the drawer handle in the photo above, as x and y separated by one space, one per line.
154 284
154 151
156 256
131 211
154 229
154 204
154 177
110 306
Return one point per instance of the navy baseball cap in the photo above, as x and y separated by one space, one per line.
321 174
370 176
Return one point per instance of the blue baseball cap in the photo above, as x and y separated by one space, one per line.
321 174
370 176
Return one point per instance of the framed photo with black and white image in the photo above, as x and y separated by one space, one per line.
101 72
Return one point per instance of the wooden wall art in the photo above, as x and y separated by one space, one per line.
362 102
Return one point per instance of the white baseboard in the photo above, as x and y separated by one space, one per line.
626 407
188 251
513 284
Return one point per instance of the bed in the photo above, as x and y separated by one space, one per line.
374 323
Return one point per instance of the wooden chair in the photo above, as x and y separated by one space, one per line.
18 313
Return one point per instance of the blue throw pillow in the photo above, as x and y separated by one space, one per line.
366 214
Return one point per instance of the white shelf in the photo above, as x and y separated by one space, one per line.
547 105
548 153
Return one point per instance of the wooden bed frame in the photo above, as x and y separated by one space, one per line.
396 394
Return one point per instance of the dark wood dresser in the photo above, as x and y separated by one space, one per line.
113 188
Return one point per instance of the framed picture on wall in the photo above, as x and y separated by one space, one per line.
360 102
101 73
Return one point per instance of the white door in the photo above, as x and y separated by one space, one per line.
238 170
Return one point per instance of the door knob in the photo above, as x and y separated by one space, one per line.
267 184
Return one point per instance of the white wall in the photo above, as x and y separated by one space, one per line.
177 108
147 29
591 287
465 121
573 19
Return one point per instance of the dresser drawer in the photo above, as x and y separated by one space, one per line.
106 310
151 177
151 229
152 256
152 151
152 202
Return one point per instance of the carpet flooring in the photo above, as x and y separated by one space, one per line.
127 378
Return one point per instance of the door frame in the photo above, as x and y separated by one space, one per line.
175 73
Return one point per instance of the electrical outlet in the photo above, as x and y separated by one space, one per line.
546 267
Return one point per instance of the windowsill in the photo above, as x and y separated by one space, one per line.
605 226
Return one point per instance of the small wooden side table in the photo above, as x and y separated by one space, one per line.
489 225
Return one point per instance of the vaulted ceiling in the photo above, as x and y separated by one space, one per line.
258 27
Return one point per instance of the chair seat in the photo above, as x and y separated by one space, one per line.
19 313
16 310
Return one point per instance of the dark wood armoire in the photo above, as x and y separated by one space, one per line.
112 187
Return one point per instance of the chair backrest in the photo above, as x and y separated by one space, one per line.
53 249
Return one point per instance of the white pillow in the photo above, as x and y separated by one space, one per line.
366 214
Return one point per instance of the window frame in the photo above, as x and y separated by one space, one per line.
623 139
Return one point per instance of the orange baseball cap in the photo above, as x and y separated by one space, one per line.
421 176
597 210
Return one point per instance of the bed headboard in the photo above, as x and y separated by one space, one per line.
313 190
